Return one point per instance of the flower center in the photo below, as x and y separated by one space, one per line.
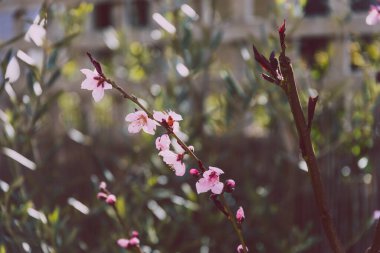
170 121
100 80
142 120
213 177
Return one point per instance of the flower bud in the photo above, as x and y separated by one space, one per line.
240 249
111 199
240 215
102 196
102 186
229 185
195 173
135 234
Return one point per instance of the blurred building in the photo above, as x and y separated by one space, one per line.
319 24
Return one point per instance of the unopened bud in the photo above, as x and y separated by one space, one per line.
102 186
240 215
229 185
240 249
135 234
195 173
111 199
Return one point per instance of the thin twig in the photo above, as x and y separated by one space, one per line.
289 86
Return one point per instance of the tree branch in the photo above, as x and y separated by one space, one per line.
289 86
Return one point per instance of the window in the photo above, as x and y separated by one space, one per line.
102 15
316 8
360 5
138 12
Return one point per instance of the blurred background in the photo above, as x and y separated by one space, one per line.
195 58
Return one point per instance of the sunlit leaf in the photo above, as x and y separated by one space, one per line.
19 158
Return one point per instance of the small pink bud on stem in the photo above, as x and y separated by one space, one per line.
229 185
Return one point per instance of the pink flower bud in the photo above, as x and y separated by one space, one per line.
133 242
240 249
111 199
102 196
229 185
102 186
195 173
240 215
135 234
124 243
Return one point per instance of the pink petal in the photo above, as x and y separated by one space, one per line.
159 116
163 142
89 73
168 156
373 16
89 84
134 127
217 170
107 86
179 168
134 116
134 241
203 185
123 243
217 188
150 127
175 116
98 93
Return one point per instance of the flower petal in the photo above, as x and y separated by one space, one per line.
123 243
159 116
150 127
163 142
175 116
13 70
179 169
217 188
217 170
98 93
134 127
89 84
133 116
203 185
107 86
169 157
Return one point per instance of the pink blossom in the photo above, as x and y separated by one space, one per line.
134 241
140 120
373 16
171 118
163 142
96 83
175 161
102 186
124 243
240 249
111 199
376 214
240 215
210 181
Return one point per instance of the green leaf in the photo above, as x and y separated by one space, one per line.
53 217
120 207
52 60
216 38
44 108
53 78
232 85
